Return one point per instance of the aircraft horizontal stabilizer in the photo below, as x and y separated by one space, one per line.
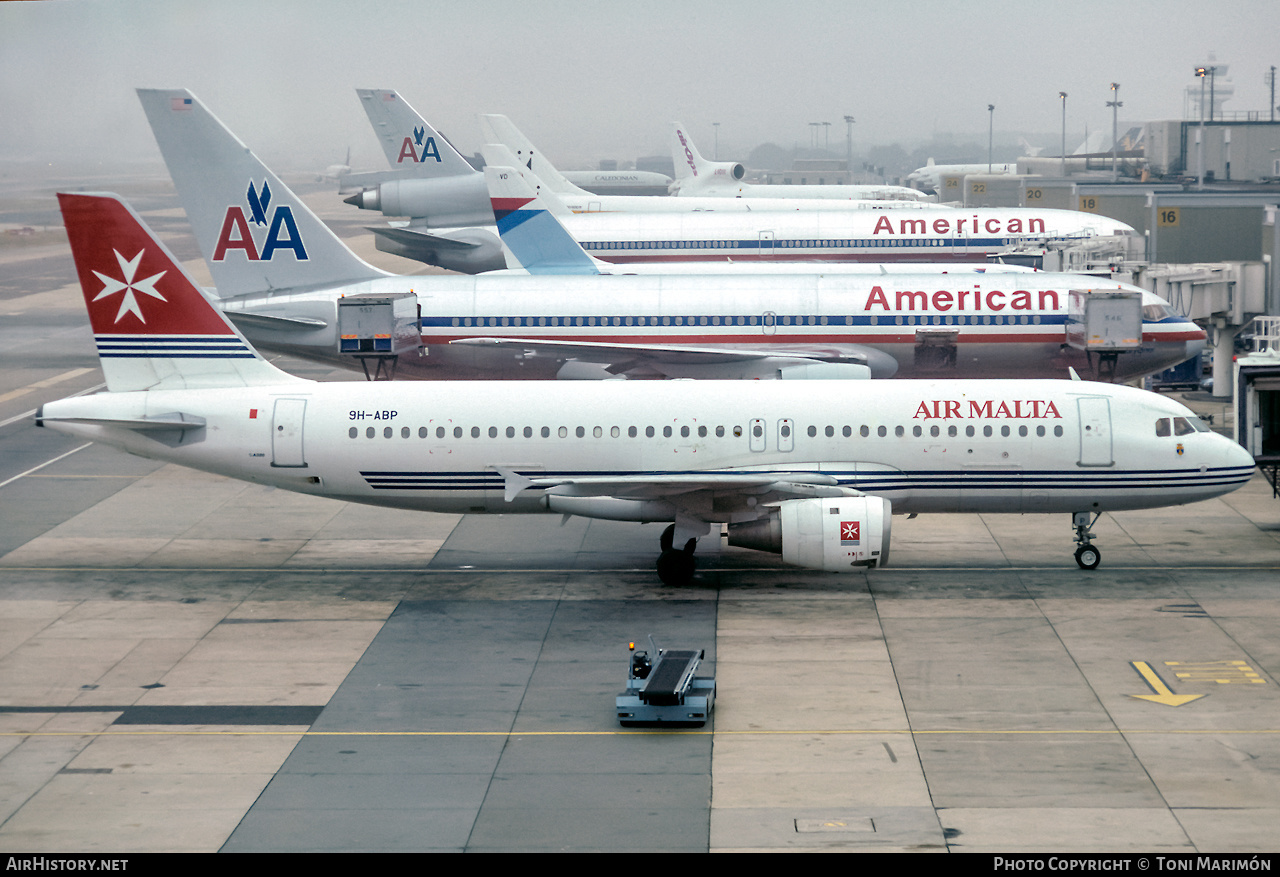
272 321
414 237
176 420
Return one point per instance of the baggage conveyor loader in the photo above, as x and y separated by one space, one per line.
663 690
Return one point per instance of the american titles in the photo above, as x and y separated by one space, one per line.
970 225
963 299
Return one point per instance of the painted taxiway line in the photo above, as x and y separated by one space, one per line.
45 463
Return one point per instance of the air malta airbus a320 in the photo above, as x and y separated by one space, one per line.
812 470
280 273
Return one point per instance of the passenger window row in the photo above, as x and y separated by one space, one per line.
749 320
934 431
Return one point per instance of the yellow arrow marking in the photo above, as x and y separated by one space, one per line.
1162 692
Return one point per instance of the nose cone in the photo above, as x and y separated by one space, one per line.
366 200
1236 456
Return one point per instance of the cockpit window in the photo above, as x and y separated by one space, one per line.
1179 426
1154 313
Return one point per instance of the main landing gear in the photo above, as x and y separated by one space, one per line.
1087 554
675 565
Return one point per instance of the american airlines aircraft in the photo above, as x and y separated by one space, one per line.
812 470
695 176
280 274
774 229
440 192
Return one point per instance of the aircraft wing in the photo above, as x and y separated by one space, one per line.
620 358
776 484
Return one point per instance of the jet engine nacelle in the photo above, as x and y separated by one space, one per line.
442 203
833 535
726 171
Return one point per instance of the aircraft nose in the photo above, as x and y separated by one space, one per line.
1237 455
1195 347
1222 452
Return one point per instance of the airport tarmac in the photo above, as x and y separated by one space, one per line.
189 663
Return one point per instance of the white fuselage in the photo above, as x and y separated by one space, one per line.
886 195
928 446
463 200
995 325
932 234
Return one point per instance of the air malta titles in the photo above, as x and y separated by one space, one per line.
991 409
282 230
907 300
992 225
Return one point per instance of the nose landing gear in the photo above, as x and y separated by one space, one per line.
1087 554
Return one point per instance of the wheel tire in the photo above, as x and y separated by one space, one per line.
667 540
676 567
1088 557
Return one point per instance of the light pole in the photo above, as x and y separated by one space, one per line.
1212 79
991 127
716 125
813 134
1201 72
1115 108
849 149
1063 96
826 136
1271 81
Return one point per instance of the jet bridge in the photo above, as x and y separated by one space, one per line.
1257 399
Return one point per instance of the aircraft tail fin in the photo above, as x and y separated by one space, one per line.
409 141
529 231
689 163
254 232
499 129
693 172
154 328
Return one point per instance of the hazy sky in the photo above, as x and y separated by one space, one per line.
603 79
